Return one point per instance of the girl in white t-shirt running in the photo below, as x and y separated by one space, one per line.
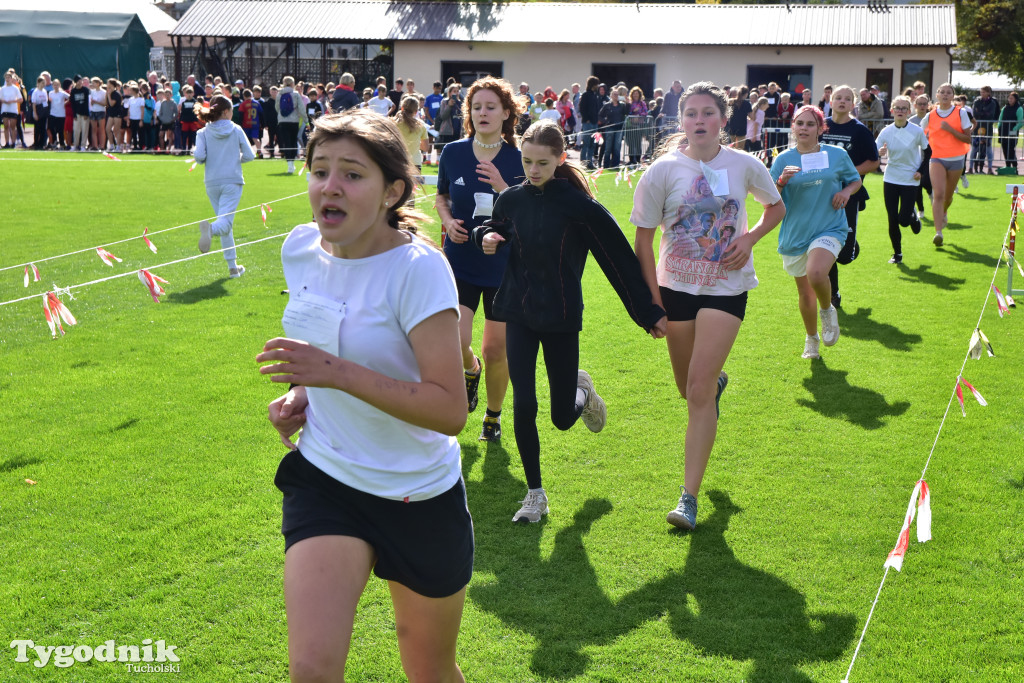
697 194
903 142
373 354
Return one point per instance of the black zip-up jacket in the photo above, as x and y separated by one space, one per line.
549 232
590 106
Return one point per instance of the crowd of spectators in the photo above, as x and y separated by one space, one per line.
608 124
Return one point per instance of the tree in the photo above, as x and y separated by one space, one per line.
992 31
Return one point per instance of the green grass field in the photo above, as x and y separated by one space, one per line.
155 516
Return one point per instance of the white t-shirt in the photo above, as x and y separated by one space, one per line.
135 106
40 97
754 127
97 100
903 147
698 225
551 114
363 310
9 92
57 100
379 105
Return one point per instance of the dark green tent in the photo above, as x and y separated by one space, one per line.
67 43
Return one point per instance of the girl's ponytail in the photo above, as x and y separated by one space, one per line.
218 105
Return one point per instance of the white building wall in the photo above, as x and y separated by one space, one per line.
543 64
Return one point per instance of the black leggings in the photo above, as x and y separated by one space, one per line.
1009 143
561 357
851 249
899 204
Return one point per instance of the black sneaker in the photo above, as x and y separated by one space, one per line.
915 224
837 300
473 385
723 381
896 258
491 430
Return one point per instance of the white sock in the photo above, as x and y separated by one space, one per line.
581 395
813 336
540 490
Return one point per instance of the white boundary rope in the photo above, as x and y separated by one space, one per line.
155 232
161 265
136 271
984 306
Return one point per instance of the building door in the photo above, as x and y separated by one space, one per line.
467 72
883 79
641 75
791 78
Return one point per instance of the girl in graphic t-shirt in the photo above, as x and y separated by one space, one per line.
698 197
948 129
372 349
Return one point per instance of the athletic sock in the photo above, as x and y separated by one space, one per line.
493 413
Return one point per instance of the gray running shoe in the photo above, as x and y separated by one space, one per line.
685 514
811 348
205 236
595 412
534 506
829 326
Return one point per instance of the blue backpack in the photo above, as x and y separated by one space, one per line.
287 104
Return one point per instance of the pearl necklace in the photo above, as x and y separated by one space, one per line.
476 141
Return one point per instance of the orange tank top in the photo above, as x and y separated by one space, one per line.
942 142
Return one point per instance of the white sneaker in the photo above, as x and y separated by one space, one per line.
534 506
811 347
205 237
967 183
829 325
236 272
595 412
291 167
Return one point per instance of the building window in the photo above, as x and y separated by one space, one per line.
467 72
883 79
911 72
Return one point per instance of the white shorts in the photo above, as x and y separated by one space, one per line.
797 265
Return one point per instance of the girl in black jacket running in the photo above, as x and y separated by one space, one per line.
549 224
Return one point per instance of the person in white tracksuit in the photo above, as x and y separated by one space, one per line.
222 147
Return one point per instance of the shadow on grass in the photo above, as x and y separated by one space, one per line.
213 290
968 256
923 274
19 461
834 396
859 325
717 603
125 425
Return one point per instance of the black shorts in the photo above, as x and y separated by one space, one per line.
55 124
681 307
427 546
470 295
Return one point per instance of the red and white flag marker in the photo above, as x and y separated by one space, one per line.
55 311
152 283
264 210
110 156
107 257
920 502
145 239
35 273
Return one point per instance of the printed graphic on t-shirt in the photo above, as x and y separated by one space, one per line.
704 227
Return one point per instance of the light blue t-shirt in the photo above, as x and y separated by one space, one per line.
808 199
